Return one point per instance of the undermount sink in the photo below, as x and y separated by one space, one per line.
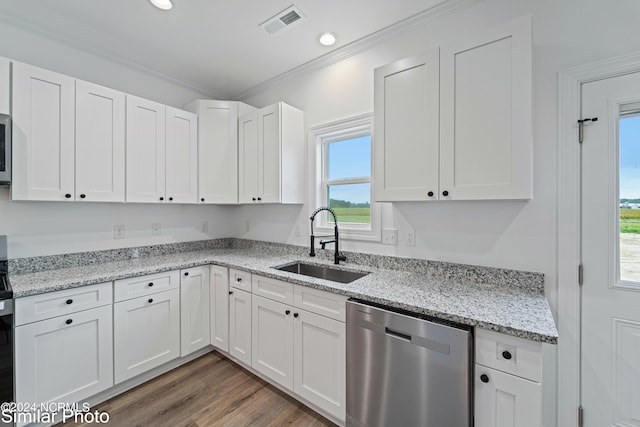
322 272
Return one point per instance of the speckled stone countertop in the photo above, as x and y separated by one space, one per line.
476 296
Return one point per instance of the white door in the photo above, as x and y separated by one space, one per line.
269 155
100 115
248 158
272 349
218 152
240 325
65 359
219 293
194 310
319 360
485 114
611 252
43 134
146 333
406 141
181 156
145 150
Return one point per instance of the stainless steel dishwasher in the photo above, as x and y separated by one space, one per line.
406 371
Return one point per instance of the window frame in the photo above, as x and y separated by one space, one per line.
320 136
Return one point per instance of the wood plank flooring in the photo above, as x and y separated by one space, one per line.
209 391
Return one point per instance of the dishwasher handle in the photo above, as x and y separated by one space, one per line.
396 334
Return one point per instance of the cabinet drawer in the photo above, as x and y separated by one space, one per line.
140 286
509 354
240 279
45 306
320 302
273 289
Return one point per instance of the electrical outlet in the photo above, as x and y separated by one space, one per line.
118 231
156 228
204 226
411 237
247 225
298 230
390 236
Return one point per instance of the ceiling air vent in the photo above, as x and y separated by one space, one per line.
283 19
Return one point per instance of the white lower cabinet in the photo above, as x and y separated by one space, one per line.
272 340
319 360
194 310
66 358
219 303
240 325
146 333
507 381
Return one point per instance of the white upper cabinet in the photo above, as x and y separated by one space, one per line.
181 156
407 129
271 155
145 150
477 93
218 149
5 85
100 114
486 122
43 134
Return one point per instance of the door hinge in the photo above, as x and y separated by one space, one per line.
581 123
580 416
580 274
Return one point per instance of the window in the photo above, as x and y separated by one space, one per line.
629 194
343 177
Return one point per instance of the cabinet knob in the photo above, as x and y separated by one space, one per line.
150 300
67 196
430 194
287 312
259 198
296 315
238 279
202 200
69 301
150 284
230 292
186 273
171 199
161 199
445 193
69 321
253 198
82 196
484 378
506 354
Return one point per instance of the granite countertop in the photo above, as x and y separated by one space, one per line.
515 310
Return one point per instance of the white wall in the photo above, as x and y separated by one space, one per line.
43 228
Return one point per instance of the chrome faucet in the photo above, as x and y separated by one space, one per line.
336 256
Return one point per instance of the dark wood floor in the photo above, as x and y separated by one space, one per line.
210 391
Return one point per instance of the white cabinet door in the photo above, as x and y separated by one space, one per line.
269 158
504 400
181 156
146 333
5 86
43 134
100 146
486 132
219 293
272 338
406 139
320 361
145 150
66 358
194 310
248 158
217 151
240 325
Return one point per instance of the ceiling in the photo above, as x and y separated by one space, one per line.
215 46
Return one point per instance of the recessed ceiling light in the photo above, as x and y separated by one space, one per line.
162 4
327 39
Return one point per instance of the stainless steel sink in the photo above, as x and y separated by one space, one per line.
322 272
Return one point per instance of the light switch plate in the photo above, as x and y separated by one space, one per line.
390 236
411 237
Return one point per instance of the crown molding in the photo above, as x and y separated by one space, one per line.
25 25
432 14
